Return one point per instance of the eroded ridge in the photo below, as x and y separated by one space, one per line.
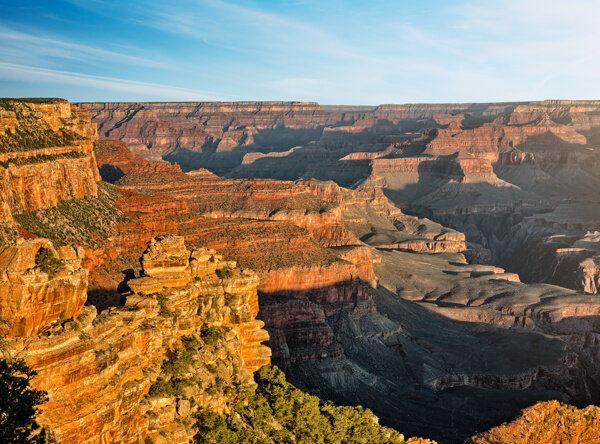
119 376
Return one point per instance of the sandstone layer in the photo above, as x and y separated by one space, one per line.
547 422
33 295
357 307
46 155
98 368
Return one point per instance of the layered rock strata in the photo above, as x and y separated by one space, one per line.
46 155
545 423
98 369
34 294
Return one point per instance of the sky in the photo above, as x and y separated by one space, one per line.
333 52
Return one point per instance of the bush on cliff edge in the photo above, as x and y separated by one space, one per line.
276 411
18 404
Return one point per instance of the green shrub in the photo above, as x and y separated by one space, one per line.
18 404
162 387
48 262
162 303
276 411
180 360
224 273
212 335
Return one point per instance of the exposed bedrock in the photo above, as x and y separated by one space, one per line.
98 368
356 312
46 155
219 135
39 285
545 423
530 204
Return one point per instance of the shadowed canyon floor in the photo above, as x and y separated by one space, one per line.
364 304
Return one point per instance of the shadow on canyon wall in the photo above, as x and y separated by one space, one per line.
420 372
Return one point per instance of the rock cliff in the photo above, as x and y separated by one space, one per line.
108 375
358 309
39 285
46 155
547 422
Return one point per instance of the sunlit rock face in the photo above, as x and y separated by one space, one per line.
32 294
98 368
361 297
546 422
46 155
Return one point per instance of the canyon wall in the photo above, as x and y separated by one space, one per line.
46 155
219 135
100 369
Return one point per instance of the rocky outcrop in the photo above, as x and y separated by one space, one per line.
545 423
39 285
213 197
371 217
46 155
98 369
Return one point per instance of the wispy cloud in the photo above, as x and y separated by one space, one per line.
68 50
336 51
12 72
244 27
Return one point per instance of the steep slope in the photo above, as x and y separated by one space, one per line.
98 369
219 135
166 365
547 422
346 341
46 155
425 348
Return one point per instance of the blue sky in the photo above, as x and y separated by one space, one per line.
333 52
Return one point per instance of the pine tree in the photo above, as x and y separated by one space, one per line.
18 404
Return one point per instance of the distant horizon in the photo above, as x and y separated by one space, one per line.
501 102
340 51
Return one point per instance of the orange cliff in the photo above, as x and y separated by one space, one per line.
268 225
545 423
98 369
224 198
46 155
51 175
32 297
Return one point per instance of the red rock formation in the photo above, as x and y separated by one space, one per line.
32 297
97 369
49 160
221 198
157 129
198 126
545 423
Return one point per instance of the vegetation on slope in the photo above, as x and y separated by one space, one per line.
18 404
88 221
276 411
32 132
40 158
48 262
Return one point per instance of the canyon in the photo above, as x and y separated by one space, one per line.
388 246
518 179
